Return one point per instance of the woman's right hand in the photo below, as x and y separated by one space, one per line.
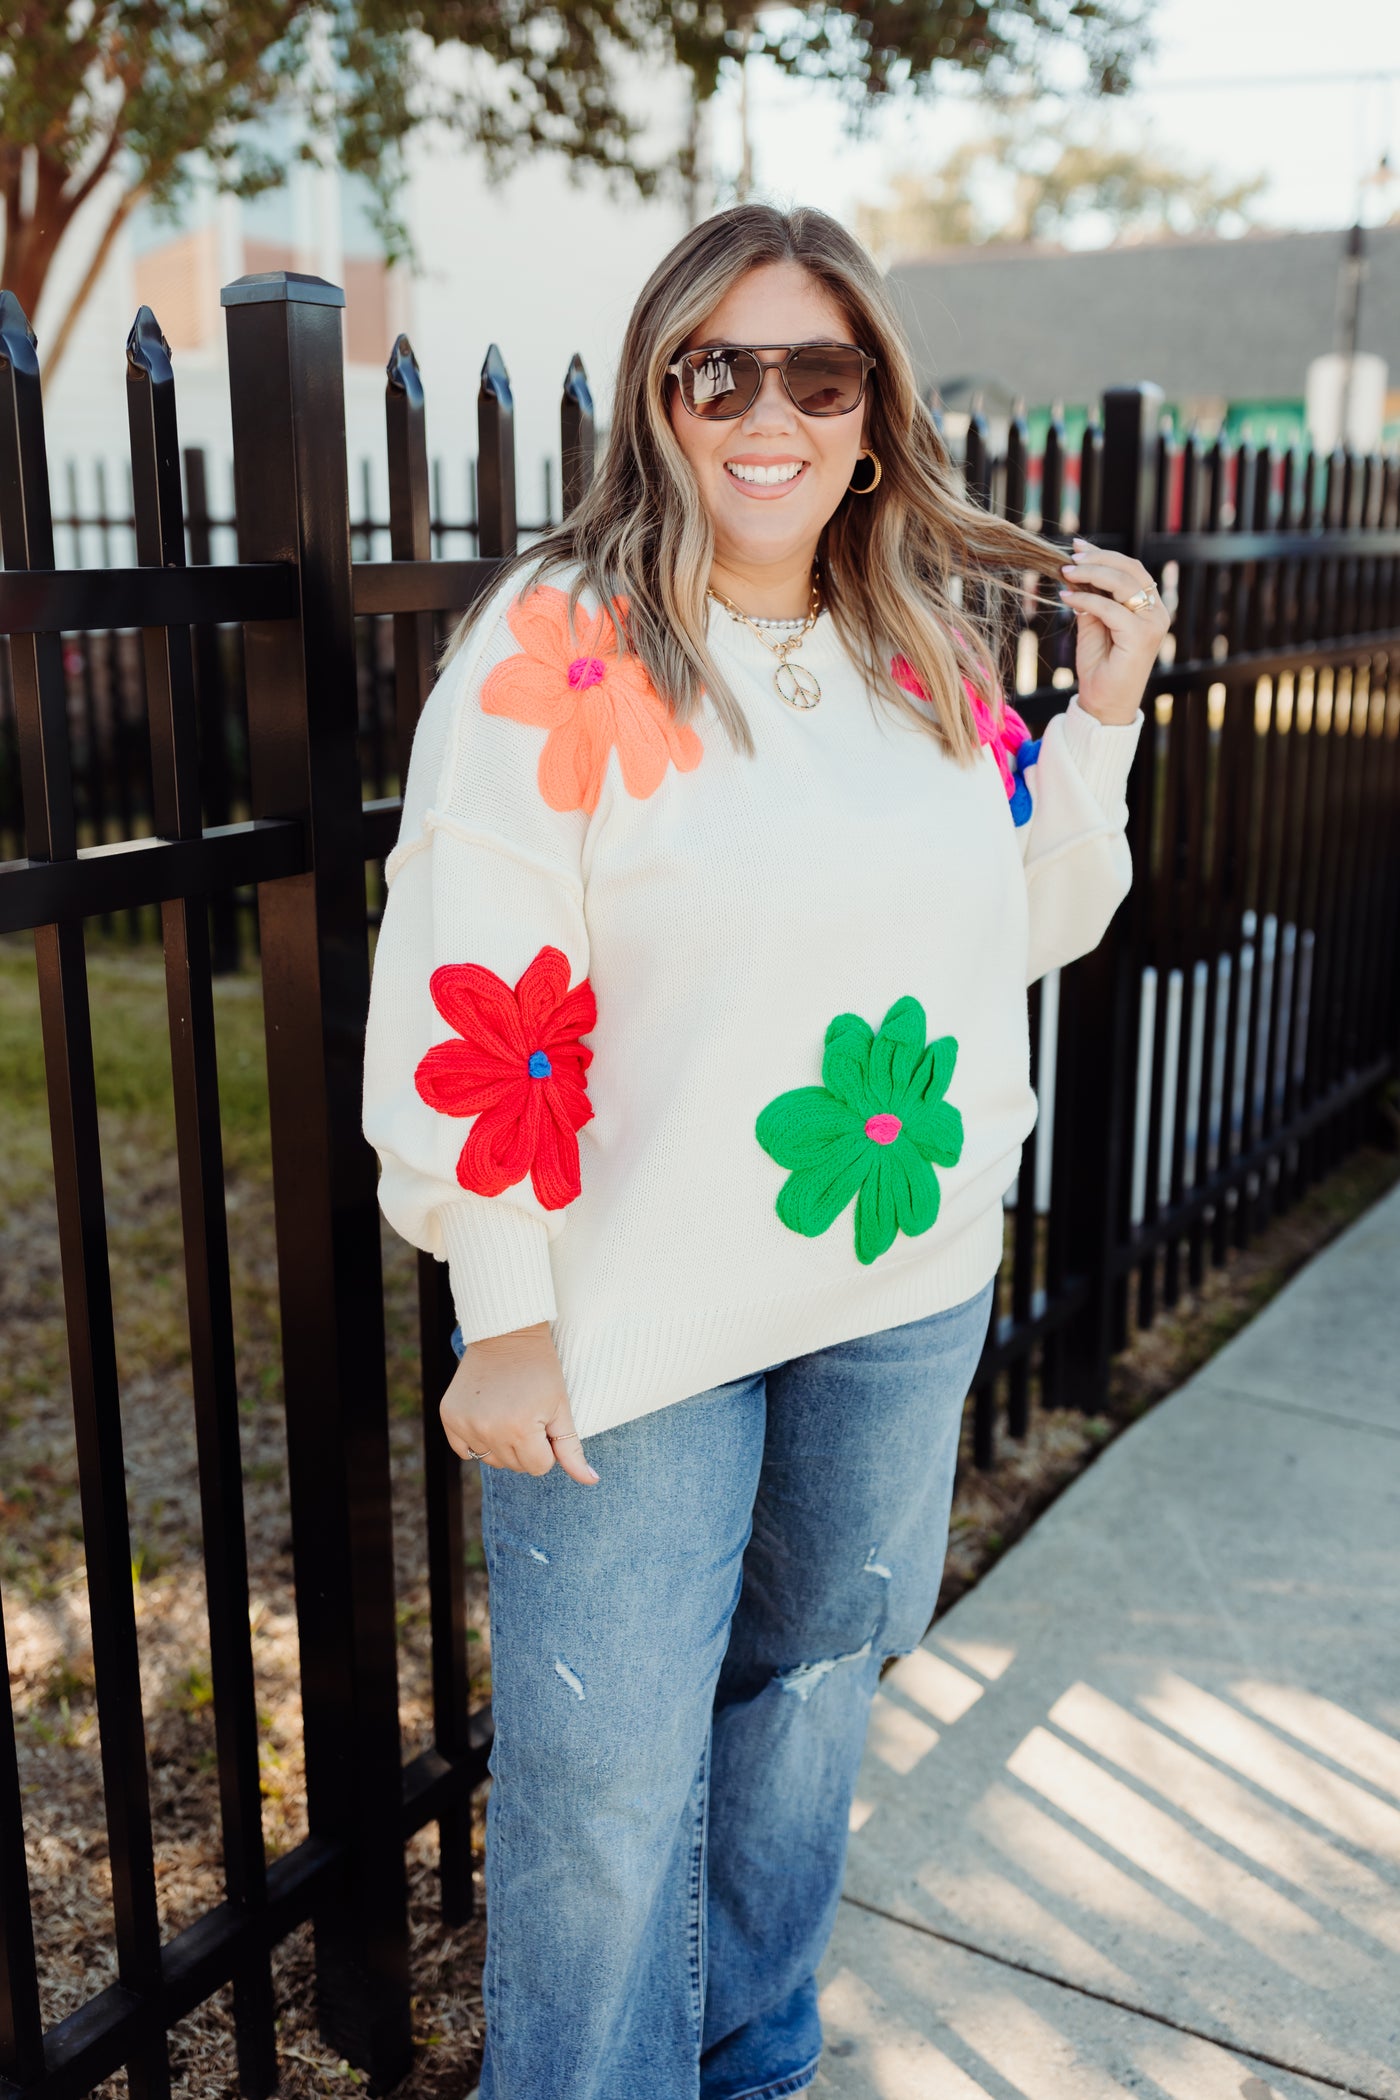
507 1405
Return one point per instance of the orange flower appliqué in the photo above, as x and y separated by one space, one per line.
572 681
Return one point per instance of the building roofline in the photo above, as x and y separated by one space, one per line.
958 255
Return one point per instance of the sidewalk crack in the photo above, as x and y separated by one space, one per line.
1296 1407
1084 1990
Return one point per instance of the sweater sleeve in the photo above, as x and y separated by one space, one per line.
475 1072
1071 808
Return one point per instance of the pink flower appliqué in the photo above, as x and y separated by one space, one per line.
1005 736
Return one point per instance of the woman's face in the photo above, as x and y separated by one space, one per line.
766 524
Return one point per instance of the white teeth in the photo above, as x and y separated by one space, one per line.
788 471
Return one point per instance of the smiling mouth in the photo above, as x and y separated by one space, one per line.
765 477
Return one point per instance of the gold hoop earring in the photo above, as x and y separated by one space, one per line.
871 485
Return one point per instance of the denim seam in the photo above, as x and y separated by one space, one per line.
697 1897
795 2082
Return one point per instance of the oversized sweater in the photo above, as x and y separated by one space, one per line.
712 1059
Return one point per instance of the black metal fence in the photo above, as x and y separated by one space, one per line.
1213 1057
108 705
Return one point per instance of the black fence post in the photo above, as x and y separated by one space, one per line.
286 381
576 434
1100 995
158 522
27 543
21 2023
495 463
215 753
410 539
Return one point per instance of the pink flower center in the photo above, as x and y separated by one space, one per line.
585 671
883 1130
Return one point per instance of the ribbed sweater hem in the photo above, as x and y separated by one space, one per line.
498 1261
616 1370
1103 752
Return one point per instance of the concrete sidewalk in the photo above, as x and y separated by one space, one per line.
1129 1820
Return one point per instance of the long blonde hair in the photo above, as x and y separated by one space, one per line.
888 560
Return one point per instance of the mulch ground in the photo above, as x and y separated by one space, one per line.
42 1578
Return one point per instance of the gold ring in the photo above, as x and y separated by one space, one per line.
1140 600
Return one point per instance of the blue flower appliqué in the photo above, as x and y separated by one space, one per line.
1024 756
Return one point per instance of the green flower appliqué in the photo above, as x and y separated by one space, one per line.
874 1129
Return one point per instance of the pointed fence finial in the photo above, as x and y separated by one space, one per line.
403 373
495 379
18 342
576 387
147 351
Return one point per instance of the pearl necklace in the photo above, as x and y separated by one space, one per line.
794 683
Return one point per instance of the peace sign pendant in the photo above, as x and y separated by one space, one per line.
796 685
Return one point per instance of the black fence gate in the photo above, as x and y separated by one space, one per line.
1213 1057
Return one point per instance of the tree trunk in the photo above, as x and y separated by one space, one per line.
32 237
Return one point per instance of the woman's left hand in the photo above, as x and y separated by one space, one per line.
1115 644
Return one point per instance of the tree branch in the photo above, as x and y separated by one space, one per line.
121 212
79 196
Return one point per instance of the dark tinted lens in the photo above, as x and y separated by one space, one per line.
825 381
719 383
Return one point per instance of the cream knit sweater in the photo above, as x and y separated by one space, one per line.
712 1060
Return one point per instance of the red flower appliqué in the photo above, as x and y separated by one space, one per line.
518 1068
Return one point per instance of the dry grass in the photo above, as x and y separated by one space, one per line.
41 1553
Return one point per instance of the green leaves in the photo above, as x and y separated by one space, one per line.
147 91
143 94
874 1130
871 48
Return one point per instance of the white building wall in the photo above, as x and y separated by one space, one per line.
542 268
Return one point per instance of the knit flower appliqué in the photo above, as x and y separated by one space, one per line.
1012 745
570 679
517 1067
874 1129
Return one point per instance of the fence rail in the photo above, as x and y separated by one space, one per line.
1213 1057
101 609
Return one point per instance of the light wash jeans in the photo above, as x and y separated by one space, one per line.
683 1660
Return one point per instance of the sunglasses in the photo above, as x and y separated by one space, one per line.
721 382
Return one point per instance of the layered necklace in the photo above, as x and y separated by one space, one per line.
794 683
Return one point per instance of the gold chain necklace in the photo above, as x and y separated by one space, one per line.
794 683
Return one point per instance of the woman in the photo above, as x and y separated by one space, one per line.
698 1049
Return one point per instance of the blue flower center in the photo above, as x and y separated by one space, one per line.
540 1066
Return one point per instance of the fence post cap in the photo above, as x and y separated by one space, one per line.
281 287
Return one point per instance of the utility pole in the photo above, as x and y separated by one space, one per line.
1353 269
694 159
745 182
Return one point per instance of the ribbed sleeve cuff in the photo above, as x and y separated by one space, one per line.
498 1262
1103 753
